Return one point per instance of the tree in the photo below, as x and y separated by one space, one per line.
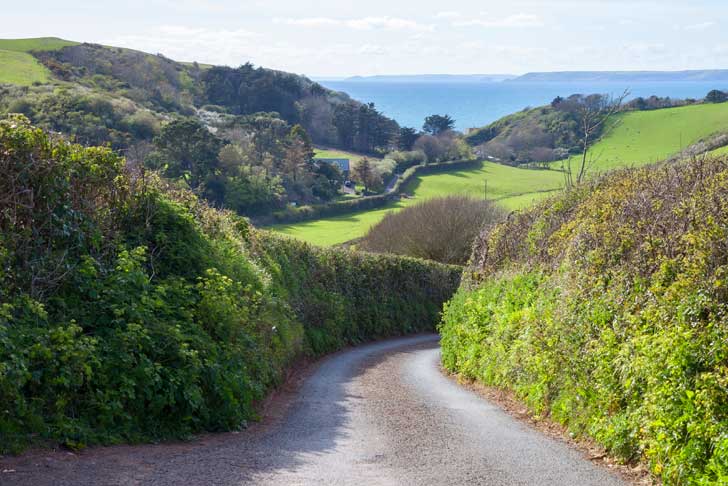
431 147
436 124
327 181
592 114
365 174
407 138
716 96
189 150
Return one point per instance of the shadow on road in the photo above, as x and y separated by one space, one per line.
316 420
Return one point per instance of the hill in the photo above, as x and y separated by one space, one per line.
240 137
130 81
715 75
605 308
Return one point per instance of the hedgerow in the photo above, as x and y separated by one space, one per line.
605 308
132 311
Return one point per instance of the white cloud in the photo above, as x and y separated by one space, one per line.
699 27
364 23
372 50
512 21
184 43
448 15
309 22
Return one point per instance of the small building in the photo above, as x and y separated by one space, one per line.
342 164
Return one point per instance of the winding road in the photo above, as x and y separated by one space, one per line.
379 414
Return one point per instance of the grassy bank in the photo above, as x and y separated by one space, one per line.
644 137
18 66
605 308
130 311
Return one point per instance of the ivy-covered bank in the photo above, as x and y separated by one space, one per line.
607 309
131 311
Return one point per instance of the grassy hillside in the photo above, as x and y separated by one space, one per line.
18 66
21 68
500 181
643 137
606 308
203 312
513 187
35 44
179 89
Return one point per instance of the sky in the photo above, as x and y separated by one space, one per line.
330 38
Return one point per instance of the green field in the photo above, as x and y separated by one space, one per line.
17 66
643 137
324 153
21 68
639 138
338 229
513 187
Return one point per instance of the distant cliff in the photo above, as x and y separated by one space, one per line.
717 75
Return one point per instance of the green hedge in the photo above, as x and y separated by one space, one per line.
349 297
131 311
306 213
607 309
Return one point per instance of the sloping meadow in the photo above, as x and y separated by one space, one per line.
131 311
605 308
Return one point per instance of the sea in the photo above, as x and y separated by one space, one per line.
478 104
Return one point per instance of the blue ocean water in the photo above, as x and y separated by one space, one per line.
477 104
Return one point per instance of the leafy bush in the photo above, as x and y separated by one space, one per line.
132 311
442 229
606 308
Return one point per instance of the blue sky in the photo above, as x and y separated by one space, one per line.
337 38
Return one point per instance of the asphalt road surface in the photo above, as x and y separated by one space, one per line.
380 414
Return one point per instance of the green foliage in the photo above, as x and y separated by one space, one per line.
538 134
132 311
348 297
189 150
437 124
606 308
716 96
86 117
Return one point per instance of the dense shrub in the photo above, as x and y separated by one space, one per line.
347 297
132 311
442 229
606 308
